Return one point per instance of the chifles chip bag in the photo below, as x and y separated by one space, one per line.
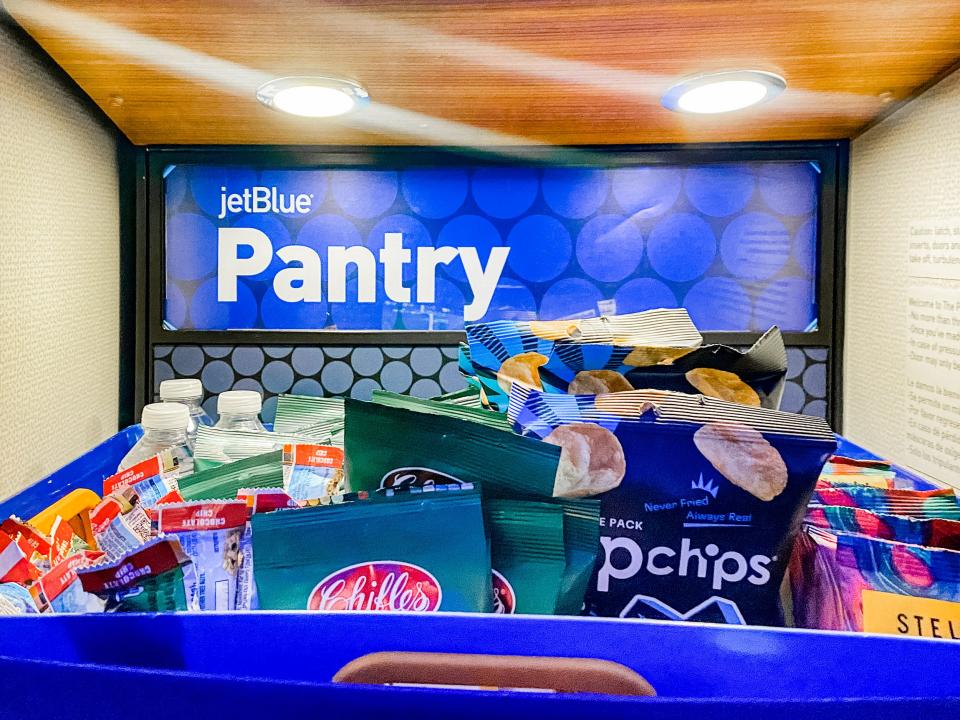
418 551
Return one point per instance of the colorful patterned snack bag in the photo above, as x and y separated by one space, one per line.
901 528
701 498
502 352
388 447
209 533
312 471
830 572
150 480
939 503
379 553
526 554
655 349
152 578
223 481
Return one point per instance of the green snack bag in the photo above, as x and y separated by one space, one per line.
581 542
223 481
320 418
468 397
217 446
436 407
151 578
526 555
376 553
389 447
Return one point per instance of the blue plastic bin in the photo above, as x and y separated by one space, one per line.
282 664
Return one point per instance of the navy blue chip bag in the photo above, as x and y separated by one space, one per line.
701 499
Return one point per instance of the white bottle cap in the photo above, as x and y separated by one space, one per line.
245 402
165 416
185 389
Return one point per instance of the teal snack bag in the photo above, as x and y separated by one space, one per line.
223 482
526 555
418 551
388 447
581 542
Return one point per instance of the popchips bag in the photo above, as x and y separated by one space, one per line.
655 349
702 498
418 551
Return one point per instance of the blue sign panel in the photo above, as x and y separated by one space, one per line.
427 249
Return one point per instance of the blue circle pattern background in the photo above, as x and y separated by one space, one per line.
734 244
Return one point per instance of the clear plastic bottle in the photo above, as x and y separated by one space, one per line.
164 426
240 410
187 392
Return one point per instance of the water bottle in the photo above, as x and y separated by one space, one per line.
164 427
187 392
240 410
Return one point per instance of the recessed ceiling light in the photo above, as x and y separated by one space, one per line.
721 92
314 96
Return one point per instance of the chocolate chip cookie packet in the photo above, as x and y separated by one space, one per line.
527 555
62 588
120 524
656 349
390 447
210 534
702 498
152 578
417 551
312 471
150 479
259 471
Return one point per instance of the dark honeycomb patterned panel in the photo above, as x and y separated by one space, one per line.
419 371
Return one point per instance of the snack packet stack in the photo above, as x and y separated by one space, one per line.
544 544
656 349
871 535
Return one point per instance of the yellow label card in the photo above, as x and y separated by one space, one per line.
893 614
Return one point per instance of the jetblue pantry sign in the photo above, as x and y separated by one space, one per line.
432 248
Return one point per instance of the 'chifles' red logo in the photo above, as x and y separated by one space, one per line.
383 586
504 596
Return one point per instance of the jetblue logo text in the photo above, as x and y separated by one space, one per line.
260 199
720 567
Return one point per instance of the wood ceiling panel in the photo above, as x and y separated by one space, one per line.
488 73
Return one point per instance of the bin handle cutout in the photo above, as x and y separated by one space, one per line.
566 675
